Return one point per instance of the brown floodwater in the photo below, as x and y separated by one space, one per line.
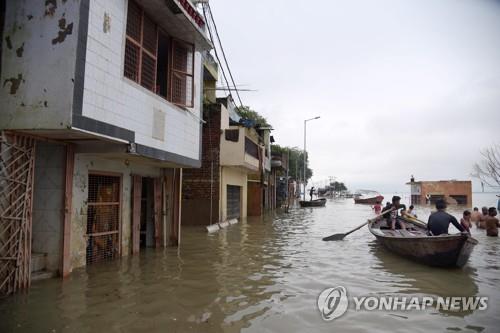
261 275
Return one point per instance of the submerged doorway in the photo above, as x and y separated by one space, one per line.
103 217
147 233
146 212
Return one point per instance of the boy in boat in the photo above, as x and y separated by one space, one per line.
394 222
410 212
440 221
491 223
465 221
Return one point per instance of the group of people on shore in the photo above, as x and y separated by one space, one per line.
440 220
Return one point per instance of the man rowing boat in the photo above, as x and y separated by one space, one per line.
392 217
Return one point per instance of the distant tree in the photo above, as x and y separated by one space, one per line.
338 186
296 162
488 169
247 113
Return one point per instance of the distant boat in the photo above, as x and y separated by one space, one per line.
443 250
313 203
367 197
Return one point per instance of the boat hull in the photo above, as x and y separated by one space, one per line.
313 203
440 251
369 201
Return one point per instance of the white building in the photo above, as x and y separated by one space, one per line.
103 98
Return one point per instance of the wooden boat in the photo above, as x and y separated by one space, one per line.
367 197
414 243
321 202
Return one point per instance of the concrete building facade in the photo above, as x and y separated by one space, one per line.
104 99
231 152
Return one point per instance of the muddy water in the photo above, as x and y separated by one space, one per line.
262 275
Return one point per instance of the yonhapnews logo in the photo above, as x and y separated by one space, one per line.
333 303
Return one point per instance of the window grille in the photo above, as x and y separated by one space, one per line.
251 148
232 135
103 218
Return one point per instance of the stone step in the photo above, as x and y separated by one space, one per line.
42 275
38 262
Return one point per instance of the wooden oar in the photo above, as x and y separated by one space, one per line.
415 220
341 236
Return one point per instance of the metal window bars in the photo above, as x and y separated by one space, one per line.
103 218
17 159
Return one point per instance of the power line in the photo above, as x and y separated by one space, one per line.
215 49
223 52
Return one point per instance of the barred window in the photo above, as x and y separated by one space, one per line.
140 48
156 61
251 148
182 73
232 135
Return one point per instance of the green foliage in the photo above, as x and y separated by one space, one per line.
338 186
246 112
296 162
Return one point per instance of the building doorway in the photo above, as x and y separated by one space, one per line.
147 233
103 217
233 202
147 200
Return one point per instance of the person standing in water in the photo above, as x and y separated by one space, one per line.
491 223
377 208
476 215
466 222
482 218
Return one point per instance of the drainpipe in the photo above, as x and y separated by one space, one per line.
180 208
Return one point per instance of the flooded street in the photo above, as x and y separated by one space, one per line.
261 275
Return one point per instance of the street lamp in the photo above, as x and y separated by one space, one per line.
288 168
305 171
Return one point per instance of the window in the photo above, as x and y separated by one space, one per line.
251 148
182 73
232 135
156 61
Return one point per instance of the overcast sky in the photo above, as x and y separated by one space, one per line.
402 87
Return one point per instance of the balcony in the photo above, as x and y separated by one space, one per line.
239 149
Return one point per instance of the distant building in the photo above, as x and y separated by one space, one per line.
453 191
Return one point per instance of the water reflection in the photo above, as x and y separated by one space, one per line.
414 278
263 274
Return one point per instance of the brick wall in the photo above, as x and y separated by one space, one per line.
448 189
196 183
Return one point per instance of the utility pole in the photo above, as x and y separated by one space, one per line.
305 164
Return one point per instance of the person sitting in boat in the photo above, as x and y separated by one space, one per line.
440 221
491 223
311 192
465 221
411 212
394 221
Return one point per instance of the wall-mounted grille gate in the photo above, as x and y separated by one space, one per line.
103 218
17 158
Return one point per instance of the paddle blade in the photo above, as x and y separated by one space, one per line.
334 237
